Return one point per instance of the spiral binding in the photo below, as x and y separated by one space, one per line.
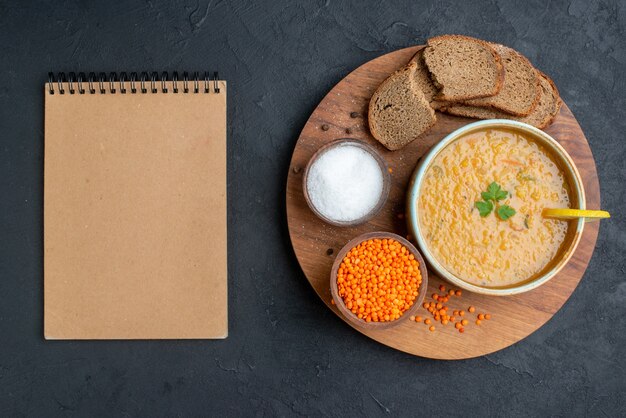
146 83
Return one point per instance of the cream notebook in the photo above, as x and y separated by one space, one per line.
135 207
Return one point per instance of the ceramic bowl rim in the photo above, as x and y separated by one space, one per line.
349 315
381 163
418 176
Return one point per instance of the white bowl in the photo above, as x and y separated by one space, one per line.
577 201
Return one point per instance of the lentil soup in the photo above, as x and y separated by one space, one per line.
480 247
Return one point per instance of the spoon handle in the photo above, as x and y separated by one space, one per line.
588 215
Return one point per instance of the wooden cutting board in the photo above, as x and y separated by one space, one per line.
316 243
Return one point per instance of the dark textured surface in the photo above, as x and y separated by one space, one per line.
287 354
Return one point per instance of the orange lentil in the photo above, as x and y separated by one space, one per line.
431 328
412 318
418 319
439 311
377 281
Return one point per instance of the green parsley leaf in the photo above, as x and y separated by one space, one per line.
505 212
491 197
492 189
484 208
501 194
494 192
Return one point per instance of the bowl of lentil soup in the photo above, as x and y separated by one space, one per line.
475 204
378 280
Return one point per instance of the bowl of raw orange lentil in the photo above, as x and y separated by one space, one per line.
378 280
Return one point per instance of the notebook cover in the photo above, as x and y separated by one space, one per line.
135 215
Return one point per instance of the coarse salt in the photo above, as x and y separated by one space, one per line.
345 183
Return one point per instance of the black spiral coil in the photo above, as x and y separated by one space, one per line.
144 83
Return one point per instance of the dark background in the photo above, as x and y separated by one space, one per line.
287 354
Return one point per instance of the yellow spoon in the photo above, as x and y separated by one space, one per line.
589 215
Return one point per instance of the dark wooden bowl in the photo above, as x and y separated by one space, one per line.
381 163
351 317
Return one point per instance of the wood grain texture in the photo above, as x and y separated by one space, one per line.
513 317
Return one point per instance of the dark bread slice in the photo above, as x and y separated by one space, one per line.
423 80
398 110
547 108
463 68
520 92
422 76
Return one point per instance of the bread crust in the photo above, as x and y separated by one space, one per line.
508 110
460 109
559 101
380 88
431 90
488 47
410 67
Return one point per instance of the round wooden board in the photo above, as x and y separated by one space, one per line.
513 317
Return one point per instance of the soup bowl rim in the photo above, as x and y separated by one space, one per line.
554 148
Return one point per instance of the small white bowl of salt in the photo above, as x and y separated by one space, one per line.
346 182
